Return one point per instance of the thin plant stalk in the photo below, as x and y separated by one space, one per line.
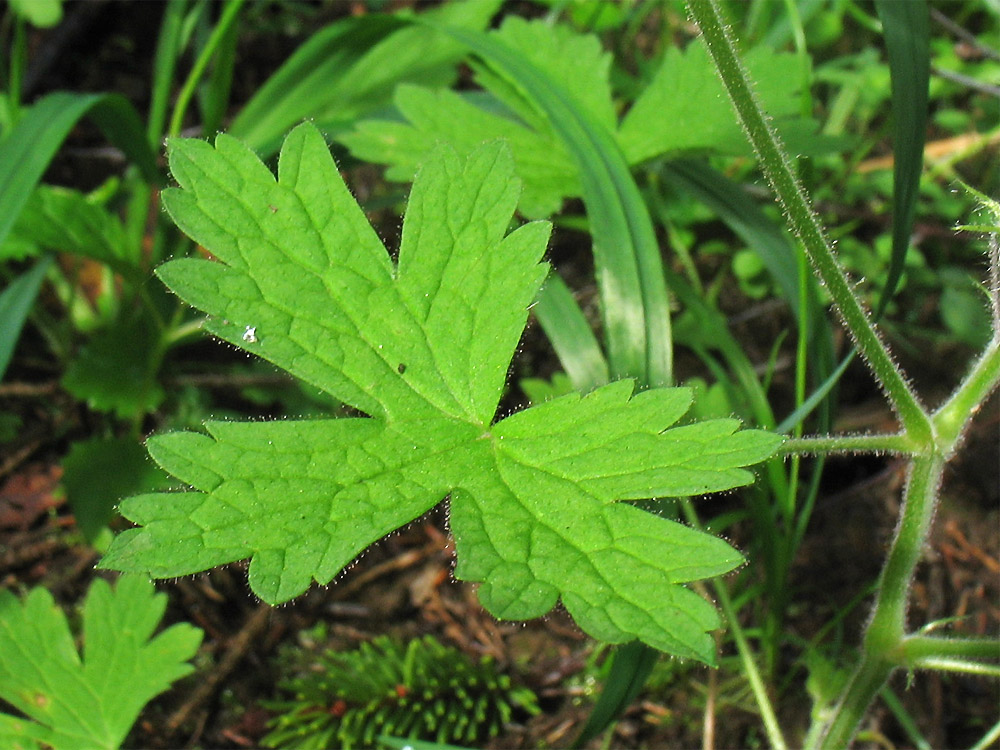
757 686
929 441
779 171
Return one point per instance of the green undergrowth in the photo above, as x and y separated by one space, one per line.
689 271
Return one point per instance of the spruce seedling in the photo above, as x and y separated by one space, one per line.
422 348
423 689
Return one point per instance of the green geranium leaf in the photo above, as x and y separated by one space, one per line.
422 347
683 109
72 702
687 93
541 159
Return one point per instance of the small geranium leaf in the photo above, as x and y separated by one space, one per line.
69 701
422 347
682 110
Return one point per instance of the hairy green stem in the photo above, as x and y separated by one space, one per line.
824 444
882 650
779 171
917 648
928 441
950 419
959 666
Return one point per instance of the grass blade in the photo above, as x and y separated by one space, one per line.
213 94
168 47
15 304
228 19
632 665
352 67
635 305
297 89
570 335
775 249
907 39
27 149
738 210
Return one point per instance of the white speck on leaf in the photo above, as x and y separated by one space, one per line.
250 335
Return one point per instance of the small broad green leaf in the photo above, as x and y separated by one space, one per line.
72 702
577 61
547 170
540 158
422 347
685 92
964 308
115 371
538 389
65 220
98 472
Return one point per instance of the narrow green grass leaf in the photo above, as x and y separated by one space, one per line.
570 334
907 39
27 149
423 348
633 663
15 304
213 93
731 203
774 247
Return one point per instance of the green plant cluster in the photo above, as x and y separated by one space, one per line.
420 689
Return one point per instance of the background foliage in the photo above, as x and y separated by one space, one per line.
96 354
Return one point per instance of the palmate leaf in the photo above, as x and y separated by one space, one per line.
682 110
90 702
423 348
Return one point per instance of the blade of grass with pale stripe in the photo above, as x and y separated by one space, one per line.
570 334
634 300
